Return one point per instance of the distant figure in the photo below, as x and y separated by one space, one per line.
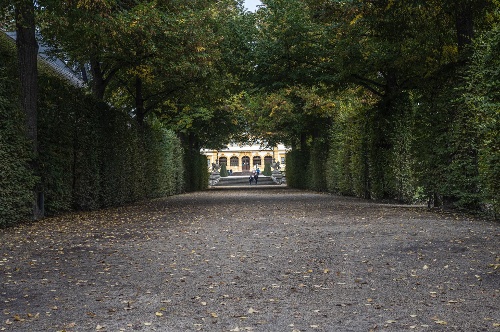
250 179
258 172
256 177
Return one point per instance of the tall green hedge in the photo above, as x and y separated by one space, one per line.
296 168
223 171
196 171
347 160
90 155
16 179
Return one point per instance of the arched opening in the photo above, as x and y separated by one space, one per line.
257 161
268 160
234 161
245 163
223 160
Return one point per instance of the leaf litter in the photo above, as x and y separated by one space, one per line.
251 261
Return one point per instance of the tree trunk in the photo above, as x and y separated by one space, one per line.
98 82
27 51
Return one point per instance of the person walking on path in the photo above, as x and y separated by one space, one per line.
250 179
256 177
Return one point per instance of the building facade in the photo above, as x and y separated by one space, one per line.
246 158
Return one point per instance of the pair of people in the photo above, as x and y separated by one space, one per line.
253 177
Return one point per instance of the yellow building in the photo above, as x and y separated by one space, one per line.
246 158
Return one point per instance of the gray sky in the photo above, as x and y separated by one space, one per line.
252 4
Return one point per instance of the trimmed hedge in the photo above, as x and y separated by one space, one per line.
16 179
90 155
267 170
223 171
196 171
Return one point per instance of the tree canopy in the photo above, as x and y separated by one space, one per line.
380 99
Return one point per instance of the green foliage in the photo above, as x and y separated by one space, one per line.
16 179
91 155
267 170
165 173
482 103
412 133
347 164
389 149
379 100
317 166
196 172
296 169
223 171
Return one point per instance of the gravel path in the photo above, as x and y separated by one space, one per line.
265 259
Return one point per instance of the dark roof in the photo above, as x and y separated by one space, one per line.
57 64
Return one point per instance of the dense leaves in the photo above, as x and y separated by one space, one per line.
411 111
91 155
16 178
380 99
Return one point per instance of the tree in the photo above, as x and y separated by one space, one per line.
83 32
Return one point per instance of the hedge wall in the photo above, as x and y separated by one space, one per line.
90 155
16 178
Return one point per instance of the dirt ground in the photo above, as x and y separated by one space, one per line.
259 259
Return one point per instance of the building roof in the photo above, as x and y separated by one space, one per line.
44 52
234 147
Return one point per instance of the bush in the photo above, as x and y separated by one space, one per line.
267 170
223 171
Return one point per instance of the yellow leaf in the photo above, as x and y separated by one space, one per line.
214 315
356 19
441 322
159 314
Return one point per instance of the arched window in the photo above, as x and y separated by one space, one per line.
223 160
268 160
256 160
234 161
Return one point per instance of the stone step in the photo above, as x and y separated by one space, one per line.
243 180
